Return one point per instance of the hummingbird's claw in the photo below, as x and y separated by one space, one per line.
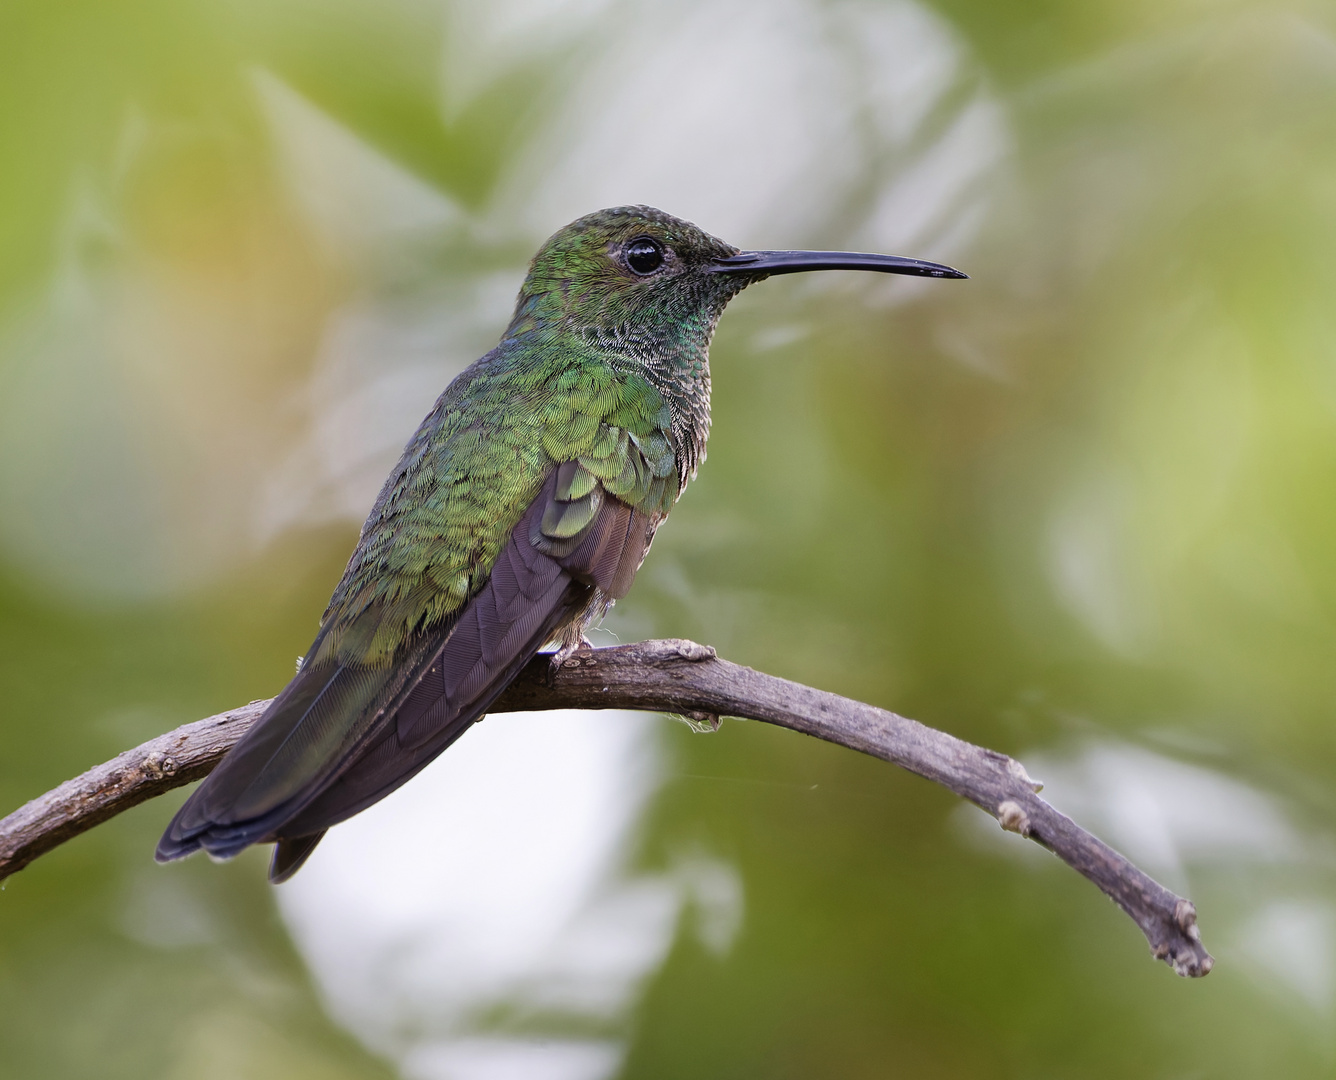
567 650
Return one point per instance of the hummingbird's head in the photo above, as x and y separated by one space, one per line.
626 267
636 275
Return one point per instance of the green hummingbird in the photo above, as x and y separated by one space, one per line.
521 509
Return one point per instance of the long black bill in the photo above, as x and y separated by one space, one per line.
796 262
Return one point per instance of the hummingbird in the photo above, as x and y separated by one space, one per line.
520 511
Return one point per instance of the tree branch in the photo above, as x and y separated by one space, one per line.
666 676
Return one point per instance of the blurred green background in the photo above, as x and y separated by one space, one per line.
1078 508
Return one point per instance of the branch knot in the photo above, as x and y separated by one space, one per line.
1012 817
158 765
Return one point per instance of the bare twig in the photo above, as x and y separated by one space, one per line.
667 676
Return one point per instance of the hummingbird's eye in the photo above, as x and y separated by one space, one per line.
644 255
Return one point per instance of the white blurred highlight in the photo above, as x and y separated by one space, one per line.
1291 943
498 883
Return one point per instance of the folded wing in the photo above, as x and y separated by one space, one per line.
342 735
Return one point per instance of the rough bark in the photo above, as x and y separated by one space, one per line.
677 677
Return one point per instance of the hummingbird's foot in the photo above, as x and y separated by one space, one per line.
569 647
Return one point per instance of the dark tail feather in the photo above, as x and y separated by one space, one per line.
289 854
285 755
